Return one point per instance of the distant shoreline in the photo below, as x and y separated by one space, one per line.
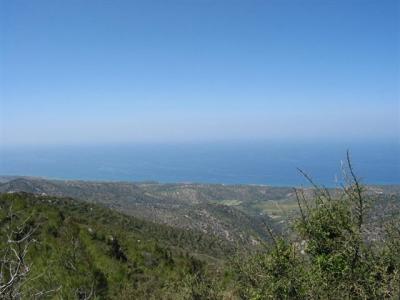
7 178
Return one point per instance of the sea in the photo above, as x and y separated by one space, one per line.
250 162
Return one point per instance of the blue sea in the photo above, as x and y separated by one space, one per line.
269 163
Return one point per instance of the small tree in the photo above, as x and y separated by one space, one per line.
17 238
332 229
331 257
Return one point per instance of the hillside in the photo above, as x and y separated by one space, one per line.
236 213
64 248
182 206
233 212
77 249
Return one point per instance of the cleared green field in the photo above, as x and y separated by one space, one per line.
277 210
230 202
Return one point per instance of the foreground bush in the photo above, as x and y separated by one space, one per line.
330 257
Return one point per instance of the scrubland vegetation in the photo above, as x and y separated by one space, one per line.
336 247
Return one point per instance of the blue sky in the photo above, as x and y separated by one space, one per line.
76 71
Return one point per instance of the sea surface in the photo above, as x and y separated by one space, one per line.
269 163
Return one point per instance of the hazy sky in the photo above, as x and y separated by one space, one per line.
198 70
